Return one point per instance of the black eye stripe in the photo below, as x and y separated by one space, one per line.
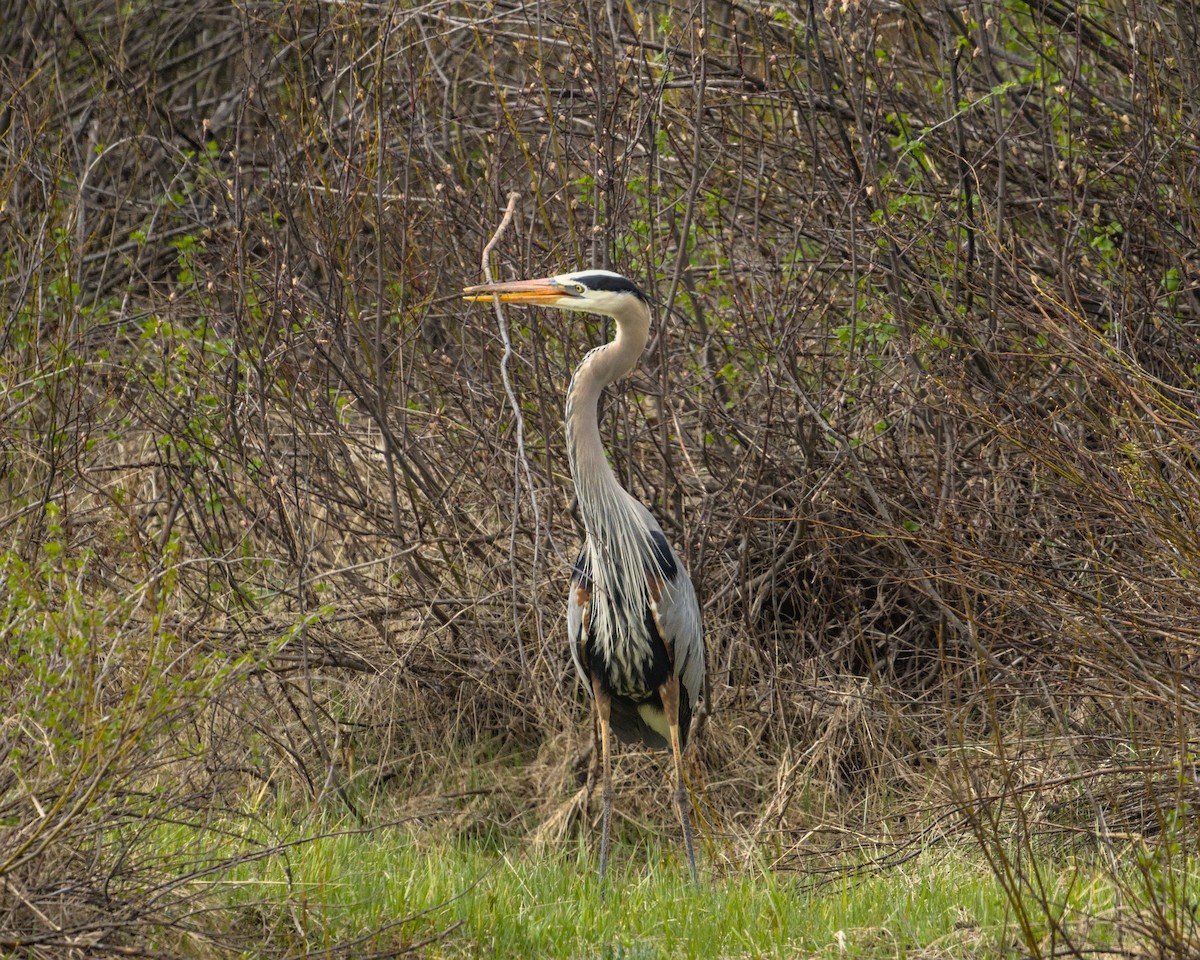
611 284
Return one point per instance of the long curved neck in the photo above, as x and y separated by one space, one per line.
596 485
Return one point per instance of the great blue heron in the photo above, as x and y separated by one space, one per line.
633 623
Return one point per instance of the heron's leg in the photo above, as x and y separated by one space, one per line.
603 708
669 692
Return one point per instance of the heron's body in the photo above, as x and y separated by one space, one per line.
632 668
633 623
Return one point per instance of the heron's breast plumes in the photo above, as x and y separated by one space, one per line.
627 583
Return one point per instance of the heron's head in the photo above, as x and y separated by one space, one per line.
588 291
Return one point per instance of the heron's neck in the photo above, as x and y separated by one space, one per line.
600 493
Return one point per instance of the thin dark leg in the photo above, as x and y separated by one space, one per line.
602 713
681 801
669 692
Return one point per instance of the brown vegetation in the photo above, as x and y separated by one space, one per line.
281 516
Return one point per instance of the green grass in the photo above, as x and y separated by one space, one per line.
396 887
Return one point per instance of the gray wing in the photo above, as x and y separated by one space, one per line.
677 615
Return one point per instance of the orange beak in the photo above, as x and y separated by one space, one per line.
543 291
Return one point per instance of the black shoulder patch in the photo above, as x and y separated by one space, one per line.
581 572
664 558
611 283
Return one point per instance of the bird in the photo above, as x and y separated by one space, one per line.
633 621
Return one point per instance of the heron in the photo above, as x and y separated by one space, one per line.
633 623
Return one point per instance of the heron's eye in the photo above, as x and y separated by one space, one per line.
580 288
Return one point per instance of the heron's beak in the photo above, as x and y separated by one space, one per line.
544 291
